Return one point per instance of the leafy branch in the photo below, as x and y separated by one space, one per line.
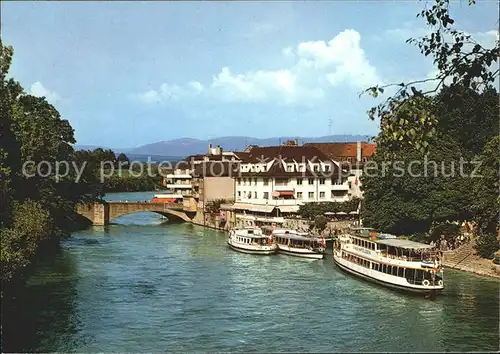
466 68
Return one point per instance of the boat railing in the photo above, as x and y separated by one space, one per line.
401 258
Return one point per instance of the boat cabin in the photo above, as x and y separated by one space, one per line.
294 240
393 247
251 236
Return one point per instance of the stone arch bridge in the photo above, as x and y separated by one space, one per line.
102 213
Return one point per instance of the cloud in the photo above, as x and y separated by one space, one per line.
317 67
37 89
409 30
168 92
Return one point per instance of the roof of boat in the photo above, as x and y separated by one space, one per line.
294 236
402 243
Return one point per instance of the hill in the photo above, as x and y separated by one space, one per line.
188 146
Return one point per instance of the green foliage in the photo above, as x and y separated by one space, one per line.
407 200
213 206
456 55
311 210
460 122
320 222
486 202
123 159
32 225
131 184
487 244
34 209
449 231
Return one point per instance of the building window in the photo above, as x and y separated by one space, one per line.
321 181
311 195
299 181
289 168
299 195
255 181
311 180
322 195
337 194
365 159
255 195
239 194
350 186
316 168
239 180
244 181
266 195
336 181
327 168
266 182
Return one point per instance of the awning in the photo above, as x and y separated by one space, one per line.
289 208
253 207
283 193
262 208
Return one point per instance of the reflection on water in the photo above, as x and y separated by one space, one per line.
145 285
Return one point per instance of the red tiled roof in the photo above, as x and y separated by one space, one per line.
337 150
287 153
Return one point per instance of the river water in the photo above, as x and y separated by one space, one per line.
143 284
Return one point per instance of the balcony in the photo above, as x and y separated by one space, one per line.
339 187
179 185
179 176
283 188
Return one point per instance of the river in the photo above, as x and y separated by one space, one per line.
143 285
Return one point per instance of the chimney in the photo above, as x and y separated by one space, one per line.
209 148
358 151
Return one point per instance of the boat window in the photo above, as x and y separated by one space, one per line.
395 271
401 272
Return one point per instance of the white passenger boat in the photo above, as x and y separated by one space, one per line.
390 261
251 240
298 244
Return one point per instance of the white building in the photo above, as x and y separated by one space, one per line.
289 176
352 157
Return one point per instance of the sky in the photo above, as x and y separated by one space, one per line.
130 73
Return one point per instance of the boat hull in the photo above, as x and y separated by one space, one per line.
385 283
300 253
248 250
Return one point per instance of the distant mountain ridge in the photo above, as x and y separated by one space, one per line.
187 146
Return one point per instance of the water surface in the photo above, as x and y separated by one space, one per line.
143 284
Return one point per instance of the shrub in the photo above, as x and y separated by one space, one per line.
486 245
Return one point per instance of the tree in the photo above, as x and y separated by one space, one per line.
409 194
320 222
123 159
458 58
9 149
34 209
486 202
32 225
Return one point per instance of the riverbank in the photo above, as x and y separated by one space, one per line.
465 259
477 265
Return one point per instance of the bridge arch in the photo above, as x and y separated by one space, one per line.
102 213
174 215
